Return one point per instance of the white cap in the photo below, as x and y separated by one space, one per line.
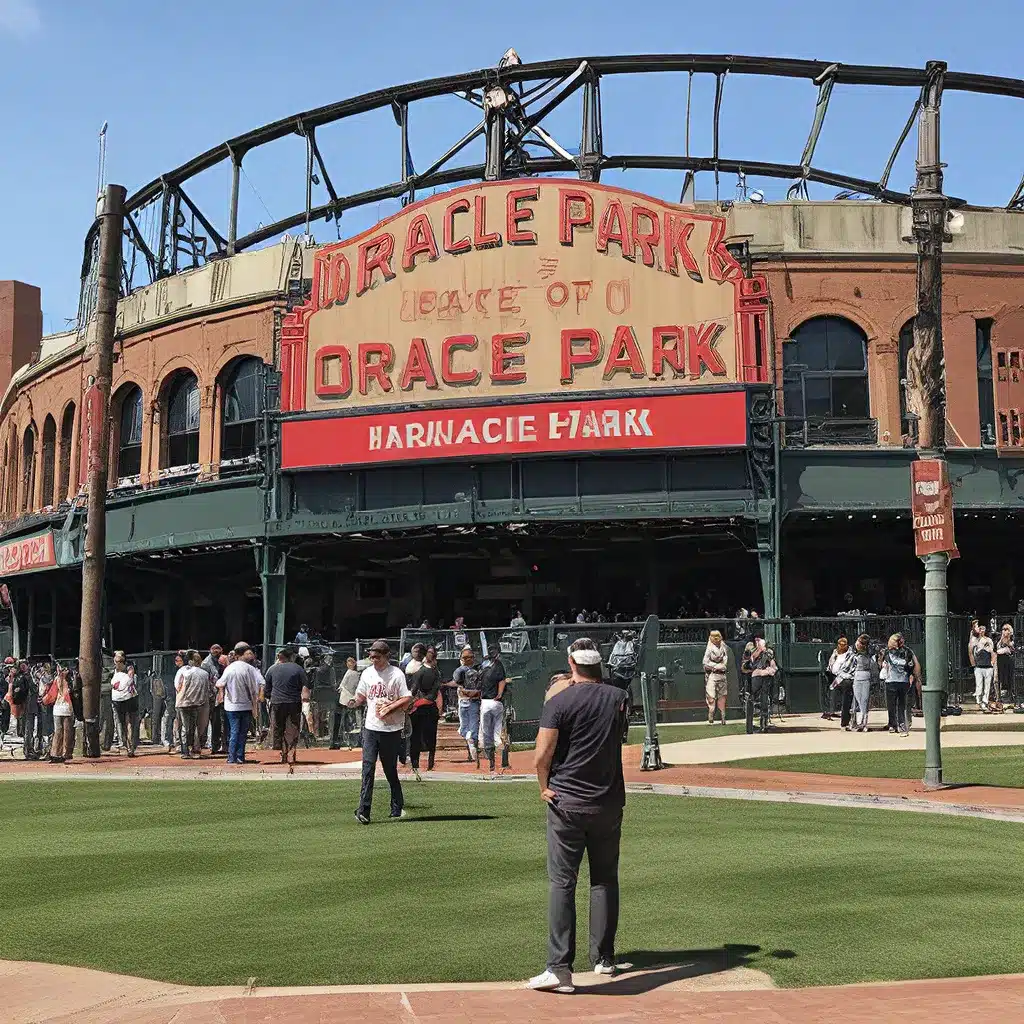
586 657
303 652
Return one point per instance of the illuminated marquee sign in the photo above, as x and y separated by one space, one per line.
509 292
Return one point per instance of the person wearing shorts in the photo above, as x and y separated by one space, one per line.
467 678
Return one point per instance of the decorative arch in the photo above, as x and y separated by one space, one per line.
67 447
825 374
126 410
28 469
241 387
49 459
180 402
13 479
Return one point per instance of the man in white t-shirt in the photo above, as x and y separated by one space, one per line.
384 692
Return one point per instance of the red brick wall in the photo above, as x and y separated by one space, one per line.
880 297
21 327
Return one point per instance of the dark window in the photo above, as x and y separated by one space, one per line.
551 479
183 421
129 445
28 469
495 480
49 459
443 485
825 374
906 343
67 440
986 393
243 409
622 476
393 487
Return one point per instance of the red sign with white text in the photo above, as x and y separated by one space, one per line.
27 554
931 504
702 420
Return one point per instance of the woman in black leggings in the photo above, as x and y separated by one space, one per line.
424 685
1005 652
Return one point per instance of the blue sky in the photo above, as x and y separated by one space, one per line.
179 77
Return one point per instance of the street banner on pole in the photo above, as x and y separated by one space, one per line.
931 506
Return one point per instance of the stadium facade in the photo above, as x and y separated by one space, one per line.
533 391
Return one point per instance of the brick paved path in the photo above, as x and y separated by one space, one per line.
39 994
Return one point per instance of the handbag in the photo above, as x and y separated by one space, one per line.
50 697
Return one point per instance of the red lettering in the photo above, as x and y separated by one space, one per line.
572 336
418 366
450 243
321 369
515 235
721 264
702 340
375 369
677 244
451 376
567 220
481 294
335 277
616 296
482 238
502 359
625 355
648 239
613 227
375 254
669 347
558 294
419 238
427 302
507 296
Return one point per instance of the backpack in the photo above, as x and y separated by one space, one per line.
50 697
622 660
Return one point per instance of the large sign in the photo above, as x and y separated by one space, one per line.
27 554
515 291
700 420
931 505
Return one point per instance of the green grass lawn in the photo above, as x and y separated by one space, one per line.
680 733
982 766
215 882
1007 723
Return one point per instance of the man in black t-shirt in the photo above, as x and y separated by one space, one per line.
285 682
579 768
492 706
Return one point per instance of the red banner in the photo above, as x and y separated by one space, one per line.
931 505
27 554
703 420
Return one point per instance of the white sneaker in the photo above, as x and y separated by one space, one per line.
551 982
605 966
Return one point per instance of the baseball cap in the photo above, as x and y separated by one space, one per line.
380 647
303 652
586 657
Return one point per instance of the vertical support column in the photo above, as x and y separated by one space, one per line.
94 553
591 144
936 677
31 626
236 170
272 562
494 169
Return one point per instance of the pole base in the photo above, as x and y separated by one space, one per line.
651 760
91 740
933 779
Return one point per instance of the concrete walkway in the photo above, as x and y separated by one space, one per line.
699 991
793 740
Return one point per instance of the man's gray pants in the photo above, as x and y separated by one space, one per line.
570 833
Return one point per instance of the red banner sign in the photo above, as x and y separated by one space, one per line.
702 420
931 505
27 554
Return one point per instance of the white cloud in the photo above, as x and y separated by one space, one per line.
19 18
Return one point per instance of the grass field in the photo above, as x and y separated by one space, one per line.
981 766
681 733
218 882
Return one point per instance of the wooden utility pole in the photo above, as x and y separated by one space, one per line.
926 375
97 422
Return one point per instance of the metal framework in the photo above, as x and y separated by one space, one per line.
514 99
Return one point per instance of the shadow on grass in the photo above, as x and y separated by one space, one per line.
451 817
652 969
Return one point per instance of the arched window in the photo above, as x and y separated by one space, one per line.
49 458
825 373
28 468
13 479
129 433
67 441
243 408
182 419
906 344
